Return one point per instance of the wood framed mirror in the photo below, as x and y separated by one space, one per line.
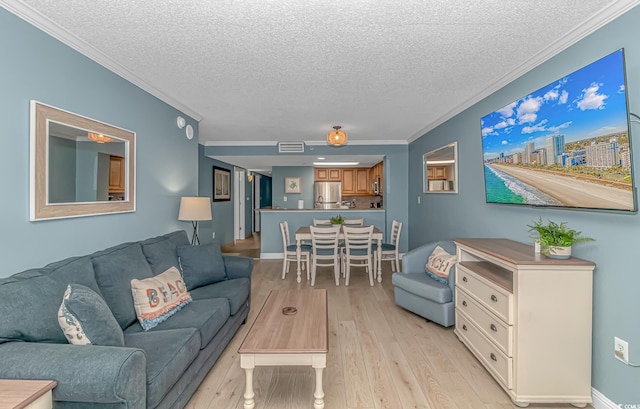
440 170
79 166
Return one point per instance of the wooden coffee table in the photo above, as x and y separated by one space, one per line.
291 329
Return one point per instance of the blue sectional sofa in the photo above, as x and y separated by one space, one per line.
415 291
158 368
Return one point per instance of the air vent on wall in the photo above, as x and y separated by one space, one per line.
290 147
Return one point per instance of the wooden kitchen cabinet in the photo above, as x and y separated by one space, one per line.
117 174
436 172
363 184
349 182
328 174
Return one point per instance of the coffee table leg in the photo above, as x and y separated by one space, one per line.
249 402
318 403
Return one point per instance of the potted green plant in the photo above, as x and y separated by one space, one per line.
337 220
556 239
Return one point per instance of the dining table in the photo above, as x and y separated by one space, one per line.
304 234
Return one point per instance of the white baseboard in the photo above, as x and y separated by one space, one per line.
602 402
268 256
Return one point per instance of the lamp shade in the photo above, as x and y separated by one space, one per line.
337 137
195 208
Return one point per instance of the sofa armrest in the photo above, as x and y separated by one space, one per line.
86 373
238 266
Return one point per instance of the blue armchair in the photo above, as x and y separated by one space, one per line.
415 291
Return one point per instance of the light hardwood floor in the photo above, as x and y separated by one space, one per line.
380 356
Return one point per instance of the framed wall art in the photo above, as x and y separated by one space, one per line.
221 184
292 185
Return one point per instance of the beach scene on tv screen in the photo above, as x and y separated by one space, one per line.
564 145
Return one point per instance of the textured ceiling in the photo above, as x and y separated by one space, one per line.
288 70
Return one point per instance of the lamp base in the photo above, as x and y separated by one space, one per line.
195 240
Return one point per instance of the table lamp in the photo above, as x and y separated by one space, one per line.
194 209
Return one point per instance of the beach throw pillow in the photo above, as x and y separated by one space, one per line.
201 265
85 318
439 265
157 298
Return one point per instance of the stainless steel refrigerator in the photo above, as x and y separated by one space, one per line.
328 195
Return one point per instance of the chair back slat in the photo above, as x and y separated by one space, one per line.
324 237
284 229
396 228
358 238
321 222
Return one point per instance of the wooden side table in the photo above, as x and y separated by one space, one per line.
26 394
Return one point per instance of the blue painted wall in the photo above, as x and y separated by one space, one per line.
306 175
221 212
166 160
616 280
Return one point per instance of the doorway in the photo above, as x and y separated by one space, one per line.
238 204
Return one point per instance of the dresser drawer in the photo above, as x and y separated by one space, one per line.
500 365
493 297
492 327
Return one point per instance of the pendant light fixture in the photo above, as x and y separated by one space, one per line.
337 137
99 138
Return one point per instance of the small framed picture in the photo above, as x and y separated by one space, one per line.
221 184
292 185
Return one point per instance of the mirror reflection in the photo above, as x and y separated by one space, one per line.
440 170
84 166
79 166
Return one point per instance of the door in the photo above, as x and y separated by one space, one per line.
238 204
256 202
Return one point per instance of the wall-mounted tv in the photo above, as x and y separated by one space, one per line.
566 145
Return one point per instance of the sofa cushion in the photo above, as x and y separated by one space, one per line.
169 354
86 319
29 301
201 265
439 264
162 251
158 298
115 268
207 316
236 292
423 286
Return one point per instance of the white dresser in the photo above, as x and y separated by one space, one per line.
527 318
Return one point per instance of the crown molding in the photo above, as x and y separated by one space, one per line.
37 19
307 143
600 19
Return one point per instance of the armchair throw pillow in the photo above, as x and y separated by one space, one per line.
85 318
157 298
439 264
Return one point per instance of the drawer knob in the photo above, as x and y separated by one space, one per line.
464 303
494 328
494 298
464 327
464 279
493 357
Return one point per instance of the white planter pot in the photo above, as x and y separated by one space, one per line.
559 252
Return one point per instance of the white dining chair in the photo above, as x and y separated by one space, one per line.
390 249
353 222
324 247
358 251
321 222
290 251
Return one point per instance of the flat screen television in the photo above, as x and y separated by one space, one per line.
566 145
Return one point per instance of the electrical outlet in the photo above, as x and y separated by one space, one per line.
285 198
418 199
621 349
213 235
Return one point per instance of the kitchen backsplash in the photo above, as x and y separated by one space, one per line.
364 202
